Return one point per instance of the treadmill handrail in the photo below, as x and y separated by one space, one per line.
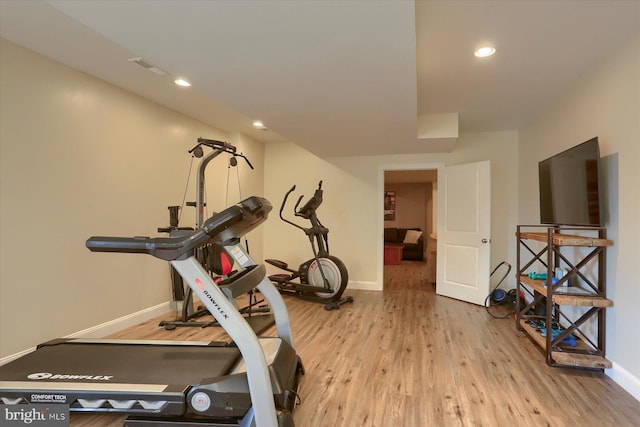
228 316
231 223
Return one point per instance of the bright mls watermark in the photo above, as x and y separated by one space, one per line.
34 415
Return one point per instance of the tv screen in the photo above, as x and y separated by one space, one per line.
570 187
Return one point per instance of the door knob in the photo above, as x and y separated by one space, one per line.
485 240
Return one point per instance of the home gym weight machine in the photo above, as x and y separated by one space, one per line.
258 316
322 278
249 382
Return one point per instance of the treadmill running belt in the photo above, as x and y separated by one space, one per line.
121 363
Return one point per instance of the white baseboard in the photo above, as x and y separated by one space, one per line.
364 286
107 328
625 379
123 322
14 356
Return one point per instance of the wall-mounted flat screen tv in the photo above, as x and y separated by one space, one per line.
570 190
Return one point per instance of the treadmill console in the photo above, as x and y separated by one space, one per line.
231 223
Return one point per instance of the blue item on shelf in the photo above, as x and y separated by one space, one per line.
568 340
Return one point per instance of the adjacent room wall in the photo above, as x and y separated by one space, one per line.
353 200
80 157
413 206
605 104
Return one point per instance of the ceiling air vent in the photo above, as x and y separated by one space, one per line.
148 65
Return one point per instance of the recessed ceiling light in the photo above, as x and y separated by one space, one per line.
259 125
182 82
484 51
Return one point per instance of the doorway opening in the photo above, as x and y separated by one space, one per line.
410 219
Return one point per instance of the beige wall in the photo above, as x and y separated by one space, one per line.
605 104
413 206
354 199
80 157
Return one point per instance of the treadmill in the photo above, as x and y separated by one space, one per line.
249 382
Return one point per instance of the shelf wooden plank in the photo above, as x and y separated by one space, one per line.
542 341
540 237
563 299
567 239
537 285
539 339
568 358
581 360
582 301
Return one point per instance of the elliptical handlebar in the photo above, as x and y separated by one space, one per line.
295 208
307 211
284 202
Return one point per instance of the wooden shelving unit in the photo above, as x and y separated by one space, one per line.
586 272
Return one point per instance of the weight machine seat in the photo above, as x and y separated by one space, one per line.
243 281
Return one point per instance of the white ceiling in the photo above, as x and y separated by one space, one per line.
335 77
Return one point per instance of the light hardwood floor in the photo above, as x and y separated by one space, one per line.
406 357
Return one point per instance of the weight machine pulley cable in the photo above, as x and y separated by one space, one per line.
186 187
234 163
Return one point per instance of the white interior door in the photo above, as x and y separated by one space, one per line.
464 232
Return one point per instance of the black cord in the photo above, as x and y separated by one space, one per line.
509 297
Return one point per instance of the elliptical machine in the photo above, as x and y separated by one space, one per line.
322 278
